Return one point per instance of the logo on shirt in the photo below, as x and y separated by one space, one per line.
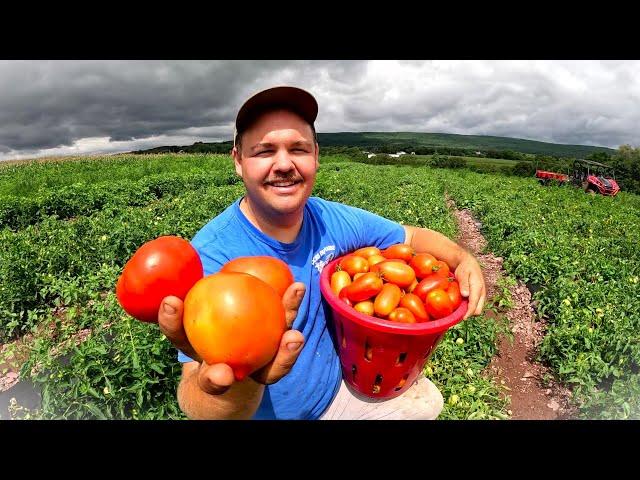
323 257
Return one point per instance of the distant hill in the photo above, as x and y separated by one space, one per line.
394 141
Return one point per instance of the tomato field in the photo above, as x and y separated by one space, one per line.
68 228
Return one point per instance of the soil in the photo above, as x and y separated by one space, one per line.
534 393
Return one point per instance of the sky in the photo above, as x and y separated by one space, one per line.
55 107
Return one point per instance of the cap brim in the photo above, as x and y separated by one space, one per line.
291 98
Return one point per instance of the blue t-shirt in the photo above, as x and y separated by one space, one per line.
329 230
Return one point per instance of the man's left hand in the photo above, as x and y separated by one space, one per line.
471 280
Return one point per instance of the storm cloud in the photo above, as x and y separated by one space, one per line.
78 107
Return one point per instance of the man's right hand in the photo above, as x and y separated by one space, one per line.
216 379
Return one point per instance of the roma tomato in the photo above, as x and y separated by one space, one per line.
400 250
358 275
271 270
234 318
365 287
438 304
339 280
387 299
413 285
422 264
413 303
365 307
402 315
165 266
441 268
353 264
375 259
367 252
454 294
399 273
428 283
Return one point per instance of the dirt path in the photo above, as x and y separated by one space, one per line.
514 365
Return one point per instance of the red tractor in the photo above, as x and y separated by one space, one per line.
592 177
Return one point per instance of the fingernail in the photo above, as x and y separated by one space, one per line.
465 293
169 309
293 346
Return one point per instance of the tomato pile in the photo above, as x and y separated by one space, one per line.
224 324
396 284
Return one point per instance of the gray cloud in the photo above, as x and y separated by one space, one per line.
48 106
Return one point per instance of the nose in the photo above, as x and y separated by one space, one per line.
282 161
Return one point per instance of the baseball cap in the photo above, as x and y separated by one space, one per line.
291 98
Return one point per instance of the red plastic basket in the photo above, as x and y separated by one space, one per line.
380 358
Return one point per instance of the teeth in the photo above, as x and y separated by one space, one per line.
282 184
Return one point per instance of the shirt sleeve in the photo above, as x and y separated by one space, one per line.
376 230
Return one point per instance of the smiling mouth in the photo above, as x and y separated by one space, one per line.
284 184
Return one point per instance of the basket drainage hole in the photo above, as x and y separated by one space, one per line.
368 351
376 384
354 371
401 382
344 340
401 358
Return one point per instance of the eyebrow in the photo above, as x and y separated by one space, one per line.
299 143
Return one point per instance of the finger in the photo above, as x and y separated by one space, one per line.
474 296
464 282
170 322
215 379
290 347
291 300
483 297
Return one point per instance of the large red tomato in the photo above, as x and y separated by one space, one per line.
165 266
363 288
401 251
234 318
271 270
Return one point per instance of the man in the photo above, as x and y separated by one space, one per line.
276 154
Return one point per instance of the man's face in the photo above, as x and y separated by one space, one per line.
278 162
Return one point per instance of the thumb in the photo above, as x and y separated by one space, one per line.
288 352
291 301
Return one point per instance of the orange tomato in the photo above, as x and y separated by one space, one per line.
413 285
271 270
234 318
375 259
399 273
423 264
387 299
454 294
365 287
339 280
413 303
402 315
441 268
400 250
353 264
367 252
358 275
438 304
365 307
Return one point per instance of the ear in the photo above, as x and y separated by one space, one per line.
237 160
317 156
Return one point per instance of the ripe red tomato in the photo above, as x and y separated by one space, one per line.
399 273
454 294
428 283
353 264
339 280
365 287
413 303
400 250
438 304
271 270
367 252
165 266
441 268
234 318
423 264
402 315
387 299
